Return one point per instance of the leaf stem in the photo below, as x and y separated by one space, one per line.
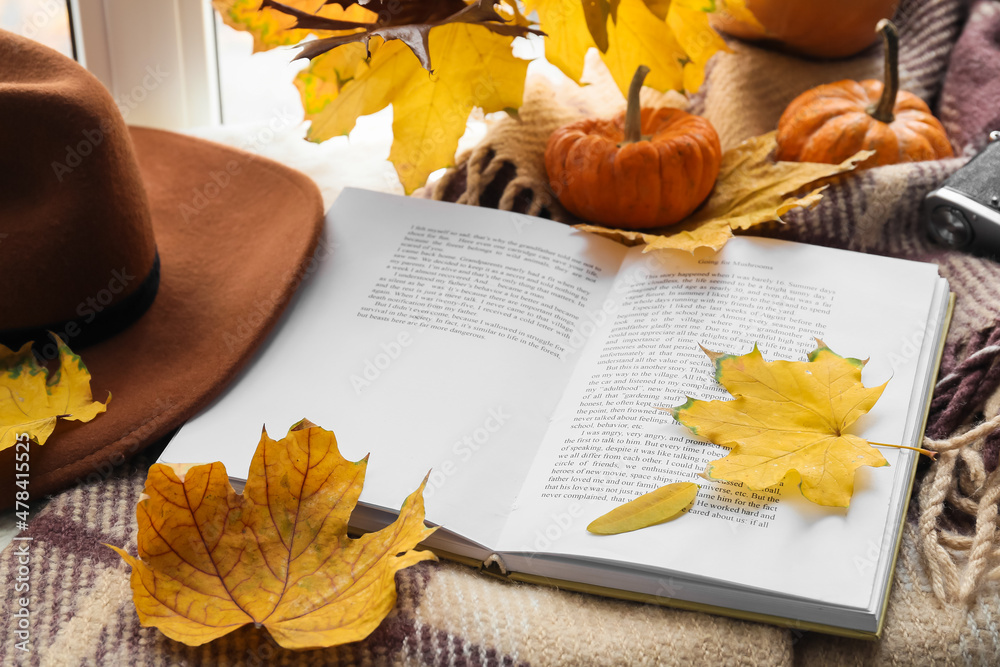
633 112
926 452
887 102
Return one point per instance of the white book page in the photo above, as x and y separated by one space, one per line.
608 444
434 336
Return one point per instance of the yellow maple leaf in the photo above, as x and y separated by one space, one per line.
787 416
321 82
674 39
474 68
211 560
31 400
636 38
689 22
751 189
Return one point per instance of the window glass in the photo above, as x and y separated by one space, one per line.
255 86
45 21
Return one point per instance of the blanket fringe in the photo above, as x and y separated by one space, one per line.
959 564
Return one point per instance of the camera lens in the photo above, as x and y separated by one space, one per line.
950 226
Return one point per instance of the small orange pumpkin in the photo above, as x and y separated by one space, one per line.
832 122
817 28
645 168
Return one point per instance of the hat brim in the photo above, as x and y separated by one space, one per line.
236 234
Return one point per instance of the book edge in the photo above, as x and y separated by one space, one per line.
946 326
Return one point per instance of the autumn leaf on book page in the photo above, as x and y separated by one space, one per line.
32 400
751 189
787 417
211 560
649 509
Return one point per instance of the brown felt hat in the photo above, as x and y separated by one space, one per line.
161 259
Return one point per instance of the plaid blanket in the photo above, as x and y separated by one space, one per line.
81 608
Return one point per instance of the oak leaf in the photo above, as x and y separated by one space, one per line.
32 400
751 189
787 416
649 509
211 560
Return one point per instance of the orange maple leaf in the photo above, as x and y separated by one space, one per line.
211 560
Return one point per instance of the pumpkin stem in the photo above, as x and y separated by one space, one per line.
633 112
886 103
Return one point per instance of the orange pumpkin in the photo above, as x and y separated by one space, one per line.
818 28
645 168
832 122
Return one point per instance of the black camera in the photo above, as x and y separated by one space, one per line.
964 213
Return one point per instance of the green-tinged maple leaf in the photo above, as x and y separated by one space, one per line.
788 416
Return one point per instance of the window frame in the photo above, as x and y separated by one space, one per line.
157 57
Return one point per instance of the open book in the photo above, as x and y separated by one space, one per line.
522 362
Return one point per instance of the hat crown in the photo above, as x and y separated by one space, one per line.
76 237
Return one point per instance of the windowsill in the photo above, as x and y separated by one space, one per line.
360 160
